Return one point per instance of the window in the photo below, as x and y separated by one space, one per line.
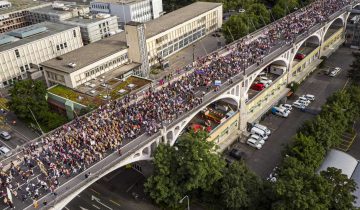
57 47
74 33
65 45
61 46
17 53
22 69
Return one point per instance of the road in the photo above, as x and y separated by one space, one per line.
322 86
116 191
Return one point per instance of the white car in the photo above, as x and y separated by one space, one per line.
5 135
265 83
254 143
298 105
257 138
263 127
304 103
266 79
309 97
286 106
4 151
335 71
304 100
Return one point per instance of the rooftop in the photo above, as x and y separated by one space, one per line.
50 10
119 1
177 17
84 20
21 5
88 54
51 29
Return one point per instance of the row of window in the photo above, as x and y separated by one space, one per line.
102 67
55 77
100 6
24 68
11 81
61 46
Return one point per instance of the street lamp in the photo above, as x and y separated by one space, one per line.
188 201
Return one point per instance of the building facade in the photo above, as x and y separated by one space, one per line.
23 49
94 27
129 10
179 29
15 13
57 12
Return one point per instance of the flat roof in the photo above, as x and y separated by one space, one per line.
88 54
51 29
20 5
340 160
85 21
118 1
50 10
177 17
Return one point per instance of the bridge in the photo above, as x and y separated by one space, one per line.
314 42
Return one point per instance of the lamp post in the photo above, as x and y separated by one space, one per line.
188 201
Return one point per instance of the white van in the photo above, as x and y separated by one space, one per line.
259 132
257 138
262 127
254 143
280 112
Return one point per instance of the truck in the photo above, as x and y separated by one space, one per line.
278 70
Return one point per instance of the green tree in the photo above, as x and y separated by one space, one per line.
26 95
190 165
307 150
260 11
236 27
354 71
240 188
341 195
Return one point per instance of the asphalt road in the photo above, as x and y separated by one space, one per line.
322 86
120 190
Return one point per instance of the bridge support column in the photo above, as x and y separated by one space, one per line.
243 116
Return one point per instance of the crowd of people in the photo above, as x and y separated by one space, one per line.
74 147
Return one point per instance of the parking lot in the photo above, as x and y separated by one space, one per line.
283 129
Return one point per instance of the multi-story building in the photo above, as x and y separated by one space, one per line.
57 12
129 10
180 28
21 50
14 13
94 27
104 59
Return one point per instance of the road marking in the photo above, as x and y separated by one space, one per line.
99 202
30 180
67 208
82 208
6 144
114 202
95 191
78 196
5 208
345 84
95 206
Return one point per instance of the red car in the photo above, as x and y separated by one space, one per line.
299 56
258 86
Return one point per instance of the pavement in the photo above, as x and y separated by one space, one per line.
283 129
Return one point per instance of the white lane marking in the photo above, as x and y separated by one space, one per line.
99 202
95 206
2 141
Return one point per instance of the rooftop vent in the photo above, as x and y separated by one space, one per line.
27 31
72 65
4 39
5 4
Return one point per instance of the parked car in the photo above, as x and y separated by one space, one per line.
5 135
265 83
334 71
286 106
4 151
302 98
304 103
236 154
279 111
299 56
257 138
298 105
258 86
309 97
259 132
262 127
254 143
266 79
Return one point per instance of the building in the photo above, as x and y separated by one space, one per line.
129 10
180 28
94 27
57 12
123 54
14 13
21 50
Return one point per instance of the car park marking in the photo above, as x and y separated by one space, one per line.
2 141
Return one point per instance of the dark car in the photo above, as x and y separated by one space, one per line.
236 154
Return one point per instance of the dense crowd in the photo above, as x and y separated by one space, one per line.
77 145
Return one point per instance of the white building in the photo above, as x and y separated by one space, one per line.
180 28
94 27
129 10
21 50
89 62
57 12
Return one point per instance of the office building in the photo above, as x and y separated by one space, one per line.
57 12
14 13
129 10
21 50
180 28
94 63
94 27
